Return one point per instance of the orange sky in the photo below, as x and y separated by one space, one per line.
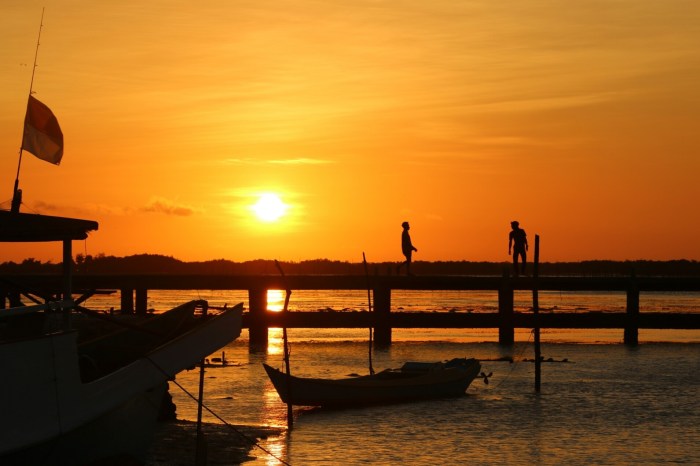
580 121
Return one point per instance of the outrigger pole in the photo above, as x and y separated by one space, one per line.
17 193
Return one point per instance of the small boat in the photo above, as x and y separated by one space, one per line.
412 382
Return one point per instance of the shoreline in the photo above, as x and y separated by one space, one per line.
174 443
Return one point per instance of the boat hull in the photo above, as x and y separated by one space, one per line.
119 436
381 388
47 398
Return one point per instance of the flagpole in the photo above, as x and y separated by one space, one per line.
17 193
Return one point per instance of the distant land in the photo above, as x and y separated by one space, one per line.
166 265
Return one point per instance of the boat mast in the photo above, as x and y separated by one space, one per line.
17 193
285 313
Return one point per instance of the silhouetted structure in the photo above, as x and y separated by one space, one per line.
517 243
384 317
407 248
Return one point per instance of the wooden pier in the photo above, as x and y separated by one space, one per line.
134 293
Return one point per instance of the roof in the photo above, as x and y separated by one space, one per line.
20 227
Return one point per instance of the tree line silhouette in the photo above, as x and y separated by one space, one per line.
159 264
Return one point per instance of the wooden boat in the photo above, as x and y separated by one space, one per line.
53 414
46 399
128 340
413 381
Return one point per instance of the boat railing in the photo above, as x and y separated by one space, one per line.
51 306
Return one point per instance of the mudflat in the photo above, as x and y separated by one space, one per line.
175 443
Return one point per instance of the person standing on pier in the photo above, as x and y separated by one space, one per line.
407 248
517 242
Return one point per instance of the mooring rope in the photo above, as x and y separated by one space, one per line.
251 441
516 361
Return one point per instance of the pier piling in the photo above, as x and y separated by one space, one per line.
383 319
631 333
127 301
257 304
506 328
141 301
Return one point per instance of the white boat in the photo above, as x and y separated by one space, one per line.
49 414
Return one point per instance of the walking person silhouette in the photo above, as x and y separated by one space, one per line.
407 248
517 242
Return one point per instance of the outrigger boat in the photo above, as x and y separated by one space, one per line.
67 403
62 402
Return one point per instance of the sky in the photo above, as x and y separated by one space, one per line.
578 119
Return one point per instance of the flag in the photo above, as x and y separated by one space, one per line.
42 135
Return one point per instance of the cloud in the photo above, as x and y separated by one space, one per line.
167 207
107 209
300 161
436 217
297 161
550 102
42 206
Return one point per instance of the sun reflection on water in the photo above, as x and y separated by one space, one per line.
275 341
275 300
278 447
275 303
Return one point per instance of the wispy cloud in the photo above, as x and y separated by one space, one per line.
42 206
544 102
297 161
435 217
167 207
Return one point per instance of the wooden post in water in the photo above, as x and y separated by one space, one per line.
257 331
141 301
506 329
201 443
67 278
127 300
369 310
287 368
382 314
631 334
536 311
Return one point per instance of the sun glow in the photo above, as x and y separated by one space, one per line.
275 300
269 208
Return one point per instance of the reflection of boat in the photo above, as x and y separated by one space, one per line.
414 381
53 414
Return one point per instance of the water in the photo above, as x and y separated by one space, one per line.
608 404
431 301
447 301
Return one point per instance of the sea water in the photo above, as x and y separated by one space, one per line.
606 404
600 402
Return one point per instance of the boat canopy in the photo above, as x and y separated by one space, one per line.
21 227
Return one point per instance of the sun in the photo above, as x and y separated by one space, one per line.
269 207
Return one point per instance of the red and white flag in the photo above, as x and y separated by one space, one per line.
42 135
